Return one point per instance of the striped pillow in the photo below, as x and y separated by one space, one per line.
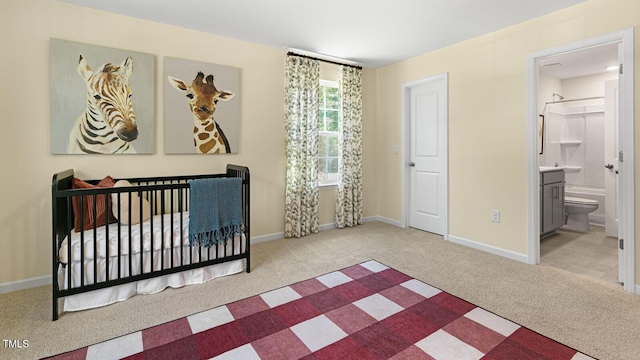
101 205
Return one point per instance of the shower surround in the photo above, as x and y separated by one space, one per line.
574 139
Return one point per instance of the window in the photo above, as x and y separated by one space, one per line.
328 133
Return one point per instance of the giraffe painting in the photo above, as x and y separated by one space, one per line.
203 97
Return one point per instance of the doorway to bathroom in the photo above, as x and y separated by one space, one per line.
580 117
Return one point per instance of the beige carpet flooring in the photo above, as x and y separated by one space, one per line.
592 316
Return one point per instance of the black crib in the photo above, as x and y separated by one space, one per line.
166 195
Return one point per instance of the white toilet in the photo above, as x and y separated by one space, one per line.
577 210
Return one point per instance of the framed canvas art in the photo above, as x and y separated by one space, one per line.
102 99
201 107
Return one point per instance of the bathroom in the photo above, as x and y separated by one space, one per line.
578 125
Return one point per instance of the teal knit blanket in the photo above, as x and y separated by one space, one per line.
215 212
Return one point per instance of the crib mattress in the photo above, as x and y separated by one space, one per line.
162 229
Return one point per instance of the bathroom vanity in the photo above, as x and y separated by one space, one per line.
551 199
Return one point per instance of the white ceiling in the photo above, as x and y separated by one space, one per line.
373 33
589 61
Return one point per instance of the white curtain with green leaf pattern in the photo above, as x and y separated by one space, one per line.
302 82
349 200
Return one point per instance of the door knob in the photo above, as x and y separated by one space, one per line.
412 164
609 166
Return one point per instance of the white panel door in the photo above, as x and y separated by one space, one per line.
428 155
611 157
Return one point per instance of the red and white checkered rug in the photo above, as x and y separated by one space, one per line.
366 311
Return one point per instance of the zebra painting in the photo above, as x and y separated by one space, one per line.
108 123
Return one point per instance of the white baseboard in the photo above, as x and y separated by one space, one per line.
369 219
323 227
333 224
488 248
25 284
637 289
327 226
280 235
268 237
388 221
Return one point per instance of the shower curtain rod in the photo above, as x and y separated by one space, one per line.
290 53
563 101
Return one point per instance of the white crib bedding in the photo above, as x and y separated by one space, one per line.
162 224
111 295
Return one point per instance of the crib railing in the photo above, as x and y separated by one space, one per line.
165 195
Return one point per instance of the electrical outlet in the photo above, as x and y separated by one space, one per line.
495 216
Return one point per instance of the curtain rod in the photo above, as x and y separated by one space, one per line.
563 101
581 99
291 53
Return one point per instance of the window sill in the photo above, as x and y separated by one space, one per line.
327 186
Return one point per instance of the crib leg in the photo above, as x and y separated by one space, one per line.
55 308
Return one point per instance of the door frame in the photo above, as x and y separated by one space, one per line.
626 145
406 148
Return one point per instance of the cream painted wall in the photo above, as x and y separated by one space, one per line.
487 118
25 214
370 188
